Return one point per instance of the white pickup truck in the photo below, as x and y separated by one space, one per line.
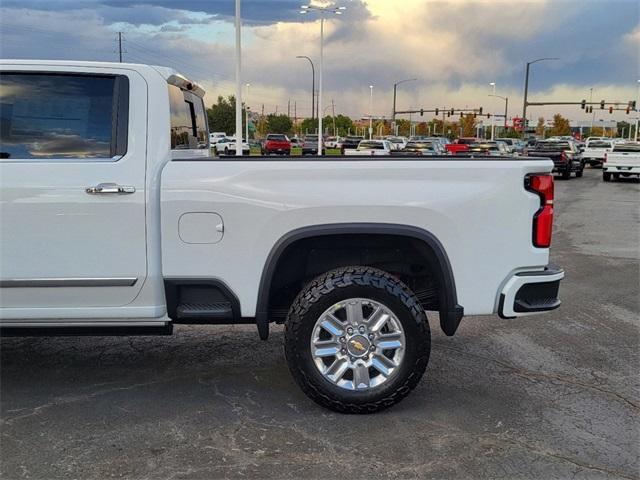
116 220
623 160
596 149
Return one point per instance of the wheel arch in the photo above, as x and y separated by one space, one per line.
450 311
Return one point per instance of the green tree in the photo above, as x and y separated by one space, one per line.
623 129
540 127
403 127
560 126
308 126
279 123
468 124
222 115
344 124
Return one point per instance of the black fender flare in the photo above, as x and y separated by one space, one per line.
450 312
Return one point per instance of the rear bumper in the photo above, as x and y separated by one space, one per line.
620 169
528 293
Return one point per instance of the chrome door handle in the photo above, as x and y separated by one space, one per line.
111 188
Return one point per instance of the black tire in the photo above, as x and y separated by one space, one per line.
356 282
566 174
579 172
606 176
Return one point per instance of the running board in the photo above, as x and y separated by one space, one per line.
204 313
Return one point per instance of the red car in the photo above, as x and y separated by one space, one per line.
461 145
277 143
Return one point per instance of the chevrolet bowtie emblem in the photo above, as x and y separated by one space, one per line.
357 345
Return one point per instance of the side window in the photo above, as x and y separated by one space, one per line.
62 116
189 128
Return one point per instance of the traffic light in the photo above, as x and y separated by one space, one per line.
628 109
437 110
448 114
583 104
601 104
610 109
453 111
421 112
474 115
488 115
480 111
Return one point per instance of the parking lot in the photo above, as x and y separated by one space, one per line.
554 396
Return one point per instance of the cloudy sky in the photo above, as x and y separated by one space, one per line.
455 48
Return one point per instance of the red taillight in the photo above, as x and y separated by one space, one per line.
543 218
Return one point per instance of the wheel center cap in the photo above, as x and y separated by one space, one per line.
358 345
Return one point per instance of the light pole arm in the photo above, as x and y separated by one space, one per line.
313 85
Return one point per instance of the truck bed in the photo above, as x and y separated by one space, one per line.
463 202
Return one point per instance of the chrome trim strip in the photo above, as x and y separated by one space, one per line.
68 282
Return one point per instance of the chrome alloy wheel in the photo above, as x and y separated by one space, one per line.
358 344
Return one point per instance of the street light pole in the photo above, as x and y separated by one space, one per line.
526 91
313 85
322 10
593 114
506 107
370 112
238 23
246 115
395 87
493 117
635 135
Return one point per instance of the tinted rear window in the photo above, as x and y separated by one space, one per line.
553 146
371 146
188 120
277 137
599 144
45 116
627 147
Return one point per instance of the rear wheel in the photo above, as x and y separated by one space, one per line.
606 176
566 174
357 340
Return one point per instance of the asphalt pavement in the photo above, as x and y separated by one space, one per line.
551 397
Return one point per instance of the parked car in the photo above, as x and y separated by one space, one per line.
425 147
220 143
461 145
397 143
565 156
215 136
227 146
351 142
333 142
310 145
112 229
277 143
623 160
595 151
372 147
496 149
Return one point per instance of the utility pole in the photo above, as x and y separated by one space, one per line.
295 115
120 46
593 116
333 112
238 25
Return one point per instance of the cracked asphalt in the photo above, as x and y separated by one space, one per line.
551 397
